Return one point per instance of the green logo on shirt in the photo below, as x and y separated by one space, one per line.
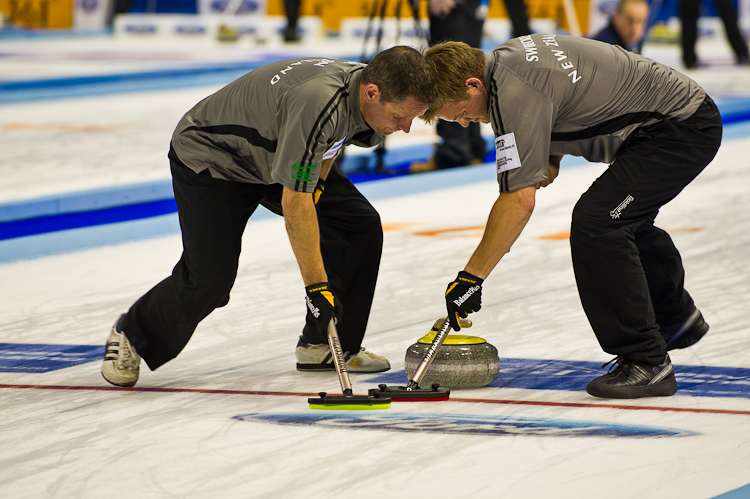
303 173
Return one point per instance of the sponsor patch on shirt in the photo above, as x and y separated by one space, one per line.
330 153
506 153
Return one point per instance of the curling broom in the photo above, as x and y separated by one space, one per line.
348 401
412 392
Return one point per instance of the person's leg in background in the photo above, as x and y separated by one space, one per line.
519 19
688 10
291 8
728 15
458 146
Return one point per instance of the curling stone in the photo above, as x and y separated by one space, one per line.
461 362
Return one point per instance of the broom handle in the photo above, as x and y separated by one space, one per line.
429 356
338 359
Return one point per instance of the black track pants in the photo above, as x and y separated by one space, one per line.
213 216
629 274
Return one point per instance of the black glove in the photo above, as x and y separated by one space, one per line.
323 306
463 296
318 190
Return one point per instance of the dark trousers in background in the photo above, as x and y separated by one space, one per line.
689 10
519 20
213 216
629 274
291 9
461 146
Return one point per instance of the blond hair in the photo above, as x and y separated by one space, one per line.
452 63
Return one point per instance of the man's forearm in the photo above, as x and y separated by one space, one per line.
508 217
301 221
325 167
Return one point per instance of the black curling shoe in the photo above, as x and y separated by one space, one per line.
630 379
686 334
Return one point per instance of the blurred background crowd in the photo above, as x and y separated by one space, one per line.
367 26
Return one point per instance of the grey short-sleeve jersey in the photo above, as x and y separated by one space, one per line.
276 124
562 95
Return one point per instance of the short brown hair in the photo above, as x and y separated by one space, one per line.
452 63
621 4
401 72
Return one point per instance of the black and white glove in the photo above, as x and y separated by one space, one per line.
323 306
319 187
463 296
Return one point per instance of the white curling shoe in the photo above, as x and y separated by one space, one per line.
312 357
121 362
366 362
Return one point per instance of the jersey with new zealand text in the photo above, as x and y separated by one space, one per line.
558 95
276 124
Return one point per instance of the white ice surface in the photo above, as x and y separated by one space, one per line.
89 442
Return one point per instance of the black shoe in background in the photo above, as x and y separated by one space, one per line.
291 35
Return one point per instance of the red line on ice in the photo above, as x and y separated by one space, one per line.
303 394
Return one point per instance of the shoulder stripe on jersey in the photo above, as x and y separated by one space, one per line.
497 124
503 181
607 127
323 118
497 119
250 134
